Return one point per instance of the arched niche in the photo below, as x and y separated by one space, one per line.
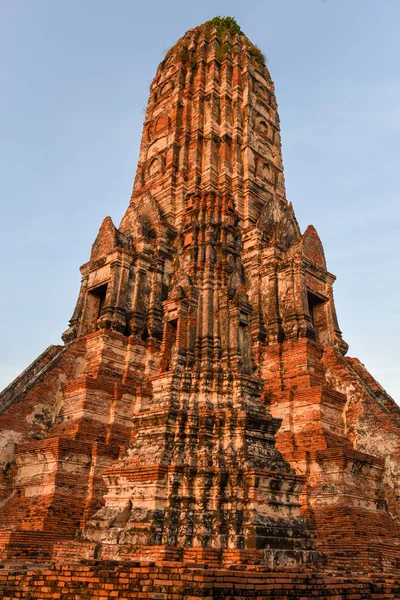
266 172
162 123
157 146
155 167
259 90
263 128
261 94
263 171
166 89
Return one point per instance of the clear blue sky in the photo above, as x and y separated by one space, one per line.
74 79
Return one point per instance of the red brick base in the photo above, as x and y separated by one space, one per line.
177 581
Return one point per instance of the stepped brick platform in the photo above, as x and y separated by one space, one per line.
201 433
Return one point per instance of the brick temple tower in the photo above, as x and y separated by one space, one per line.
202 406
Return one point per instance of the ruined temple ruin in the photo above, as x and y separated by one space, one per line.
202 415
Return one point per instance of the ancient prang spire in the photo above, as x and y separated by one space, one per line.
202 406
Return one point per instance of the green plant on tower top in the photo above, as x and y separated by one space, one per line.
223 25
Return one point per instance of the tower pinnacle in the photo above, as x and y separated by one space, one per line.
211 125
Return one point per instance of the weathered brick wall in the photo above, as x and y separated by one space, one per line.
32 407
372 419
178 582
28 377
